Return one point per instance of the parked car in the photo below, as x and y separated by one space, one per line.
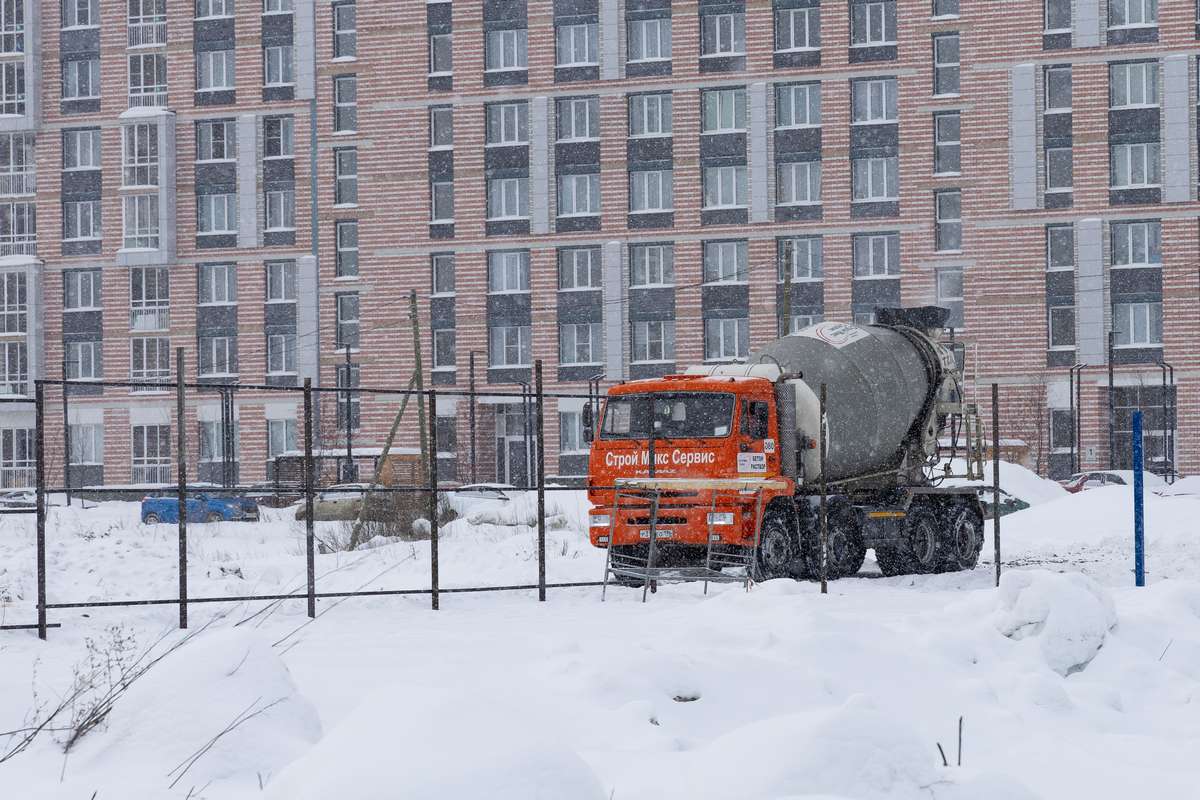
342 502
200 508
1109 477
1008 503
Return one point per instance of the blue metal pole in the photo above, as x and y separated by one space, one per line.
1139 520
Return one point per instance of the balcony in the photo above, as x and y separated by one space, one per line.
18 181
143 319
147 31
20 476
18 244
151 472
147 96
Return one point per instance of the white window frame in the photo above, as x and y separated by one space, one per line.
651 191
216 214
723 35
212 147
503 194
281 282
277 7
656 30
345 110
342 33
1055 156
214 9
944 67
441 122
505 341
878 173
87 443
723 110
281 354
571 347
441 44
139 221
81 221
798 183
879 249
1131 319
154 464
579 194
347 321
279 65
507 124
149 300
73 80
871 28
879 106
651 115
1137 81
216 71
155 360
790 97
1050 248
285 136
143 92
345 250
954 144
577 44
579 269
1136 165
1146 16
14 302
946 225
216 356
282 437
441 264
787 22
441 202
1051 313
72 18
82 147
1046 15
445 350
1141 239
573 113
652 341
506 50
279 210
508 272
139 159
147 23
726 338
82 290
345 176
570 434
725 262
651 266
12 88
1048 99
956 303
217 285
804 256
726 187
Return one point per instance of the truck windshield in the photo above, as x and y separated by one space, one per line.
676 416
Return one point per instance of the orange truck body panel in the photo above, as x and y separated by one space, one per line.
683 517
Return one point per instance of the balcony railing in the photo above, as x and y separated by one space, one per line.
151 473
149 318
18 181
147 96
147 31
18 244
17 477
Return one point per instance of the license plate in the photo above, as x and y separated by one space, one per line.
659 533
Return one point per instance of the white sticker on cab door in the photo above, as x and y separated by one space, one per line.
755 463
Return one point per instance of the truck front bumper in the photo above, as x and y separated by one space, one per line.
689 525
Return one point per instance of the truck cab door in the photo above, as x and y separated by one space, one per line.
753 433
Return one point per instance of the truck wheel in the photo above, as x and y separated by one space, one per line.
846 551
964 530
923 542
777 555
892 562
213 516
151 519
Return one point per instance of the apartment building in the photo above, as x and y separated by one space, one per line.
618 188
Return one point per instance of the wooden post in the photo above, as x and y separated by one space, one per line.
415 321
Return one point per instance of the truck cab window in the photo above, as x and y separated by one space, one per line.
754 418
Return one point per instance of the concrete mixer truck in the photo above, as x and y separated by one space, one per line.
894 395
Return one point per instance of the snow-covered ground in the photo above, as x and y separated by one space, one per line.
1070 682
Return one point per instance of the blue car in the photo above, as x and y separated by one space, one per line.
200 508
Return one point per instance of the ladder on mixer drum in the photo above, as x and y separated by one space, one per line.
644 569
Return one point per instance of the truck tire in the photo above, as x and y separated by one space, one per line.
964 538
777 555
892 562
151 519
846 550
924 542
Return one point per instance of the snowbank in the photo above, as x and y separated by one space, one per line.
1014 479
1066 616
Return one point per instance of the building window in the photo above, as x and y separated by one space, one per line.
580 343
147 22
150 299
441 128
797 29
579 195
945 64
950 295
579 268
281 354
12 88
725 262
509 346
442 265
947 144
277 6
345 103
949 219
140 221
1061 327
1133 84
18 173
152 454
281 437
215 71
81 78
147 79
218 355
12 26
803 256
278 137
651 265
441 54
150 359
798 183
349 406
1059 169
1060 247
724 111
1132 13
81 220
13 302
281 281
649 39
506 50
444 357
722 35
211 441
278 66
876 255
217 284
1058 89
578 119
1136 244
726 339
346 335
945 8
570 433
216 213
508 123
81 13
209 9
873 24
18 228
442 201
1058 16
140 161
653 341
14 368
81 148
87 444
84 361
798 105
651 191
650 115
508 271
725 187
345 32
346 242
345 171
577 45
81 290
1135 165
216 140
280 209
1062 430
875 180
1137 324
508 198
873 100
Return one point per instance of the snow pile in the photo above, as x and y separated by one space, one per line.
419 743
564 508
1189 487
1066 616
1015 479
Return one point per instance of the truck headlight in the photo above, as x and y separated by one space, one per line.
600 521
720 518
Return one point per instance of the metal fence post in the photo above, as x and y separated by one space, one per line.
66 391
39 394
996 476
309 529
541 480
1139 523
824 452
433 501
181 486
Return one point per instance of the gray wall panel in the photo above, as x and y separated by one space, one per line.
1022 141
1089 295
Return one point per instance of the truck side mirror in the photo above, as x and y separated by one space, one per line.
589 422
